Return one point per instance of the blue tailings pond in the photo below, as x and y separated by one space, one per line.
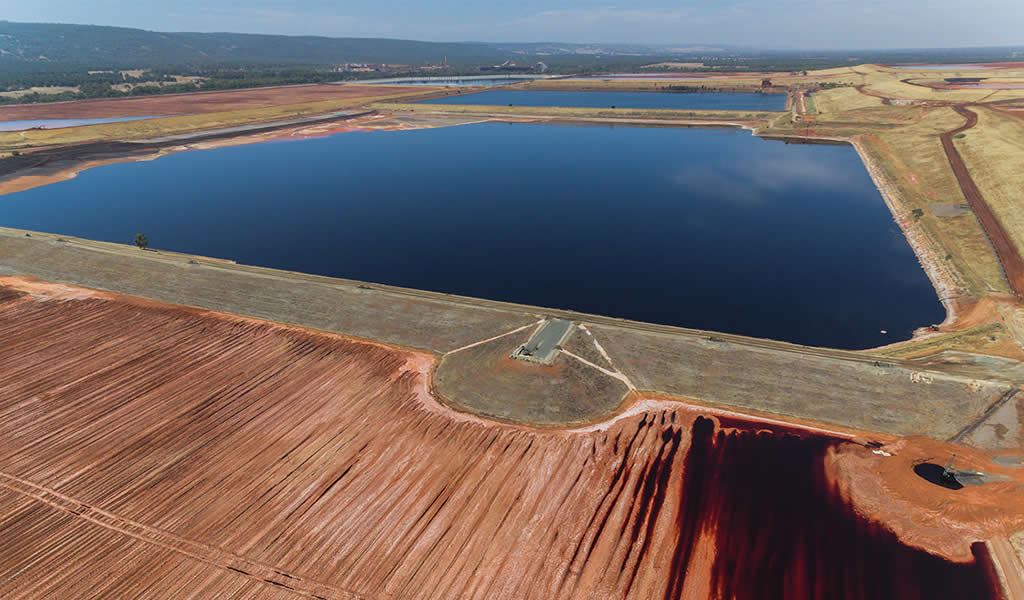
668 100
710 229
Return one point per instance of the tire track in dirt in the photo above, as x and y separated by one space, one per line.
1008 255
205 553
973 425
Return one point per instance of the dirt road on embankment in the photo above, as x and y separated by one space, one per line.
1009 256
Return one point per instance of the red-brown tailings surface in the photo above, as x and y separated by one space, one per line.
193 103
158 452
781 528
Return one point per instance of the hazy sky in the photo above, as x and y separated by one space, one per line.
762 23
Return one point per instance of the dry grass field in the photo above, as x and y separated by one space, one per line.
556 112
900 84
913 161
839 100
993 150
219 113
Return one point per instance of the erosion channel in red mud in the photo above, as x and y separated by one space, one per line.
781 529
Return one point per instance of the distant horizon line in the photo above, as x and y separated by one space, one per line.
649 45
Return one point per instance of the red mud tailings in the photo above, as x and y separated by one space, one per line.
9 294
164 452
782 531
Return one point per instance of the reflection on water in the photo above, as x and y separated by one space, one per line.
712 229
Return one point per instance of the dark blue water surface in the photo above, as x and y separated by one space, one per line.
712 229
672 100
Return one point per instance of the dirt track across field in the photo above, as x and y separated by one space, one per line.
1009 257
195 102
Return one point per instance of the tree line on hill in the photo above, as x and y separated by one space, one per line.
90 58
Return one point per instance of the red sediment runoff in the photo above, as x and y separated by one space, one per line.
1008 254
782 530
156 451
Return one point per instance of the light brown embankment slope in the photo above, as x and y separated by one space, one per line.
992 148
912 160
845 388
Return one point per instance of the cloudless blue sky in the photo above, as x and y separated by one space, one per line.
761 23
